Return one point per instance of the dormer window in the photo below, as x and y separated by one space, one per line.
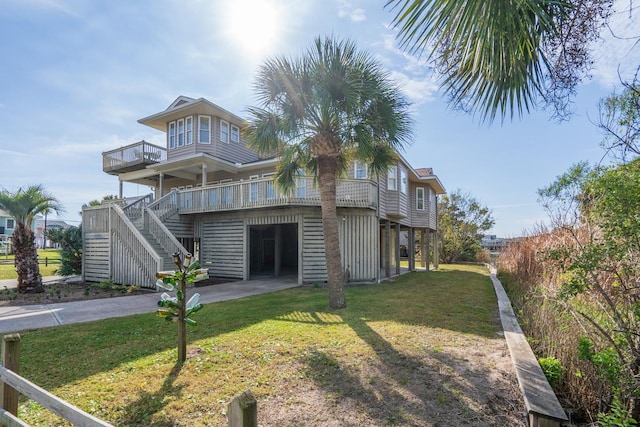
224 131
204 129
188 124
180 132
235 133
172 135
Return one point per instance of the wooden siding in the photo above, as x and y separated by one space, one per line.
314 267
115 250
222 248
359 246
96 257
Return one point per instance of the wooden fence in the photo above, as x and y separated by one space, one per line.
12 385
242 411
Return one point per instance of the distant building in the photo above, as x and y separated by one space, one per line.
51 224
7 225
493 243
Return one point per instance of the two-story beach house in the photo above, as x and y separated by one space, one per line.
215 197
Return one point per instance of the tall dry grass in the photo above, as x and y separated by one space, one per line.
533 283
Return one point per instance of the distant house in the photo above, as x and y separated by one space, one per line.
40 223
7 225
215 197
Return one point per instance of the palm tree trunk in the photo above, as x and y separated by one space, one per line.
26 260
327 171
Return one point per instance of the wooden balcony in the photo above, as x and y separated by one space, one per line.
132 157
262 193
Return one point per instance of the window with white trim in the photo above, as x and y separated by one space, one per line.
188 124
172 135
404 183
204 129
360 170
392 178
420 205
180 132
11 223
224 131
301 185
269 186
235 133
253 188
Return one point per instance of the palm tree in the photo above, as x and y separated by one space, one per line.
501 56
23 206
320 112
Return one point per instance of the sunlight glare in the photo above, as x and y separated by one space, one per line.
253 25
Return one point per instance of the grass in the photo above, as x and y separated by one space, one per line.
123 370
8 271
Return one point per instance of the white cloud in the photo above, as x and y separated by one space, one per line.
418 90
346 10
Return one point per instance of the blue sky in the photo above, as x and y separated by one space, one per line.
76 75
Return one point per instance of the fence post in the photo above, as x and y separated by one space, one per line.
10 360
243 411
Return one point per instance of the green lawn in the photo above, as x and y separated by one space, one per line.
8 271
287 347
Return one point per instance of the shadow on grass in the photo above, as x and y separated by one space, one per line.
403 389
139 412
459 301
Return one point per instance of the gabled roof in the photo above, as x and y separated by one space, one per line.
185 106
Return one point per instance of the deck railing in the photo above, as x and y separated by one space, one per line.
261 193
162 235
132 156
134 209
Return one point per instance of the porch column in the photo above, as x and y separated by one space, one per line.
427 248
204 174
411 249
387 249
436 255
120 190
397 251
277 244
161 184
204 182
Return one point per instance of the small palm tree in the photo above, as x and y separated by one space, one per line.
23 206
320 112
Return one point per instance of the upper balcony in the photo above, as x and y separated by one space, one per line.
132 157
262 193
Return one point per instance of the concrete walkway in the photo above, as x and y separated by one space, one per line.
26 317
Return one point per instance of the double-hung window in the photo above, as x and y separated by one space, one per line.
224 131
392 178
204 129
361 170
180 132
404 183
188 124
11 223
420 205
172 135
235 133
301 185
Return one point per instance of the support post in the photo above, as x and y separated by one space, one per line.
387 249
243 411
397 248
10 360
411 249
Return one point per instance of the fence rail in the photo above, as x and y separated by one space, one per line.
12 384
